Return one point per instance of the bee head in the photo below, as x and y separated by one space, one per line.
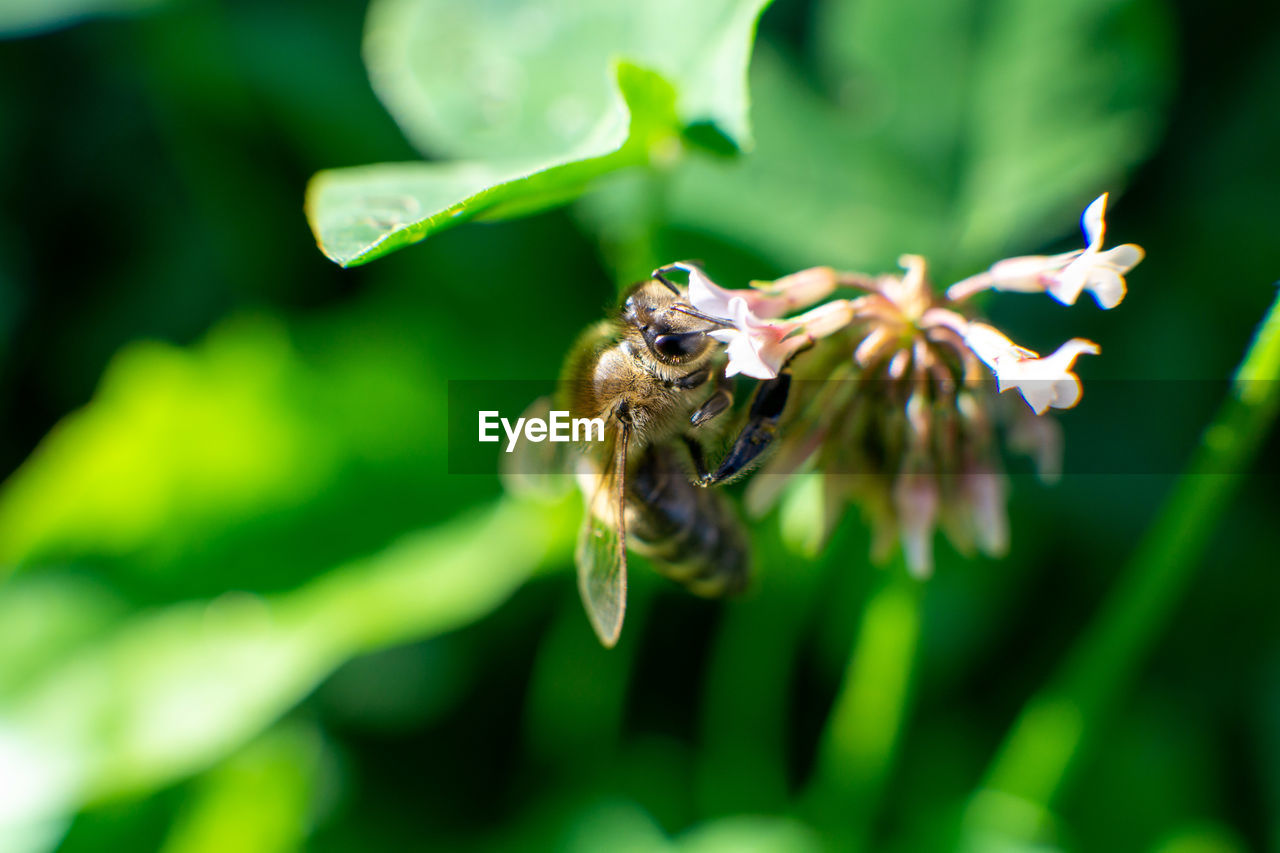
656 311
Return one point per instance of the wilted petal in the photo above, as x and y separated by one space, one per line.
915 498
1041 439
985 494
872 346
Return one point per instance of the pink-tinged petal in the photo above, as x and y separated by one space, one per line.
915 498
826 319
797 290
1041 439
1025 274
755 347
1093 222
872 346
899 363
745 358
986 491
918 416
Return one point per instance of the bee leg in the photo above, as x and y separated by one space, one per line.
715 405
762 423
692 380
698 456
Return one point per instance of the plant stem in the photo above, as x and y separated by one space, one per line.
1046 741
862 732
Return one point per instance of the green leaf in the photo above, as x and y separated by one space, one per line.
495 80
29 17
174 441
492 83
957 130
363 213
624 826
173 690
258 801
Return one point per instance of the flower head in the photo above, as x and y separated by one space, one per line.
1065 276
899 414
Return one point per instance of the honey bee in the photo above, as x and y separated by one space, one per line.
655 375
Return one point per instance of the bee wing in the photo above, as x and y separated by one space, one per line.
539 469
602 545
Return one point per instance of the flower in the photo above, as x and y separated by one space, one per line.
759 348
891 404
1043 382
755 347
1064 276
900 423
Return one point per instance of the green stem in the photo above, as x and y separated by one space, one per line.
862 733
1046 741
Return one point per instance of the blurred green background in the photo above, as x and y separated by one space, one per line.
244 607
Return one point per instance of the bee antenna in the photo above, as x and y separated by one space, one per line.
716 322
658 275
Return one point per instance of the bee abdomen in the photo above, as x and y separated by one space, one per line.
692 534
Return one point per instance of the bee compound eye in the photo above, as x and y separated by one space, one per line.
678 346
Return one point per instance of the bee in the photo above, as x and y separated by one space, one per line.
655 375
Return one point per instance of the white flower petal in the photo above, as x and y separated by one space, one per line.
704 294
1047 382
1107 287
1121 258
1065 356
1093 222
755 347
745 358
1067 285
990 344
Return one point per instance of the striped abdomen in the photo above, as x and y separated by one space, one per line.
692 534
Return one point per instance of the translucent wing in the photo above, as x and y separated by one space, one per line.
602 545
538 469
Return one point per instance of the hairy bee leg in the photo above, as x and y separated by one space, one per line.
715 405
699 457
692 380
762 423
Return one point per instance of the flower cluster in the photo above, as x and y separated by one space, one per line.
893 405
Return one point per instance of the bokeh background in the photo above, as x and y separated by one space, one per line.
243 605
